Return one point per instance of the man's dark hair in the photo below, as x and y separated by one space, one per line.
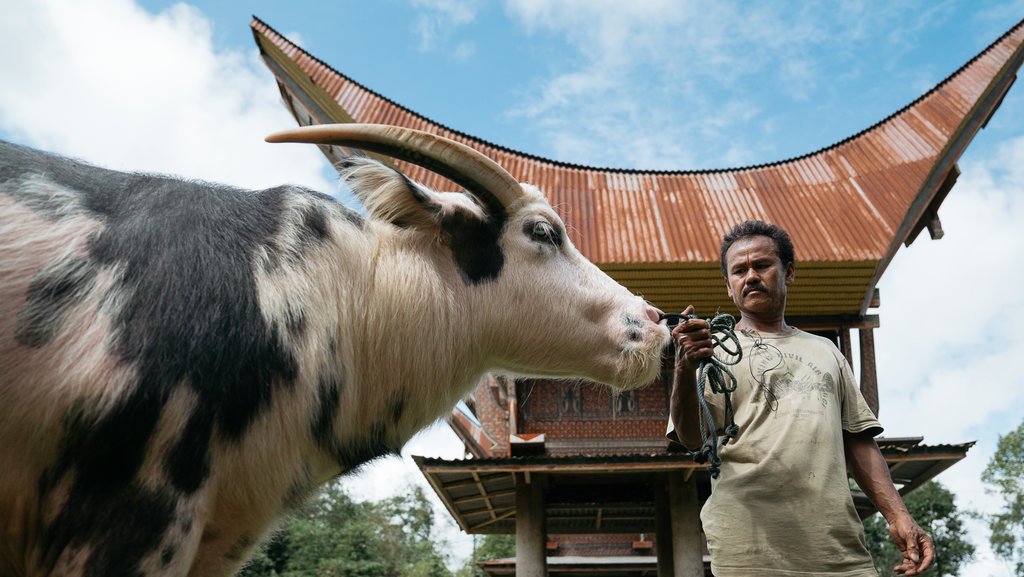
783 246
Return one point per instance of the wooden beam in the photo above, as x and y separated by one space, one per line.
868 375
823 322
508 513
472 480
845 345
483 493
471 498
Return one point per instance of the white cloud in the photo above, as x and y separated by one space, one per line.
690 73
438 19
112 84
949 348
662 79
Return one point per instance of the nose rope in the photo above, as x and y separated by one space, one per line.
714 372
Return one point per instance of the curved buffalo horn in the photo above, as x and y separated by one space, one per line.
461 164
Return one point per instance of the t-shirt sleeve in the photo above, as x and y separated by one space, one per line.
670 433
857 416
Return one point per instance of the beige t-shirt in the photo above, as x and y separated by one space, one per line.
782 504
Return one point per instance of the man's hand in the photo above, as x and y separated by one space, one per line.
914 543
693 340
868 467
693 343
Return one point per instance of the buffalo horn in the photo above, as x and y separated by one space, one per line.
477 173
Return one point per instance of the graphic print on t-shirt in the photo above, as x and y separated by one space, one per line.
781 375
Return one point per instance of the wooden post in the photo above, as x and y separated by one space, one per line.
663 526
688 557
531 534
845 345
868 376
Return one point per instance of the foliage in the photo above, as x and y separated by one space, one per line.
933 507
1005 472
336 536
490 547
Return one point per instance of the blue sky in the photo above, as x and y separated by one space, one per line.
178 88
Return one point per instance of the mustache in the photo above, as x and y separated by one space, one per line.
754 287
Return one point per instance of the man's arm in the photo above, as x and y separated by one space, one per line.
693 342
869 469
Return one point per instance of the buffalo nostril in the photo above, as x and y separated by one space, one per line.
653 313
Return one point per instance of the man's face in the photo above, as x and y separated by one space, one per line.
757 280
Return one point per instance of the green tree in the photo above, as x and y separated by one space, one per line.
336 536
409 525
1005 473
490 547
933 507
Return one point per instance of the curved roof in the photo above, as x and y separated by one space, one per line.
848 206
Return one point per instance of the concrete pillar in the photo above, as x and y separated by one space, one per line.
868 376
688 556
531 534
663 526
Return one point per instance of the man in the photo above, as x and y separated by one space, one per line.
781 505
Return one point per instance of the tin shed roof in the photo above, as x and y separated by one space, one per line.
848 206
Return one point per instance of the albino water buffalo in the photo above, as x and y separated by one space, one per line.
183 363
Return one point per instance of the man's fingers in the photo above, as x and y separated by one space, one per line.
912 550
927 553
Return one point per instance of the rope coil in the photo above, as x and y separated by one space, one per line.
714 372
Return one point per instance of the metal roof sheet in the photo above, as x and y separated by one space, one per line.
848 206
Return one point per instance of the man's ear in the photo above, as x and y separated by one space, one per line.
728 287
790 273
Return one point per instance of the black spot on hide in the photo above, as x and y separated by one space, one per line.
474 246
52 293
187 461
120 527
300 490
185 523
295 322
167 555
358 450
397 408
329 393
193 314
239 548
314 224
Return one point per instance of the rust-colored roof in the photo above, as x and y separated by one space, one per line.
848 206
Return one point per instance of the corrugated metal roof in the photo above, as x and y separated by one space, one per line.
848 206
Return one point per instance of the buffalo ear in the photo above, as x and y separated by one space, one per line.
389 195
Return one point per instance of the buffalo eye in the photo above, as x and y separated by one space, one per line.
543 232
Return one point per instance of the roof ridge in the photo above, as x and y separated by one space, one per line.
640 171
